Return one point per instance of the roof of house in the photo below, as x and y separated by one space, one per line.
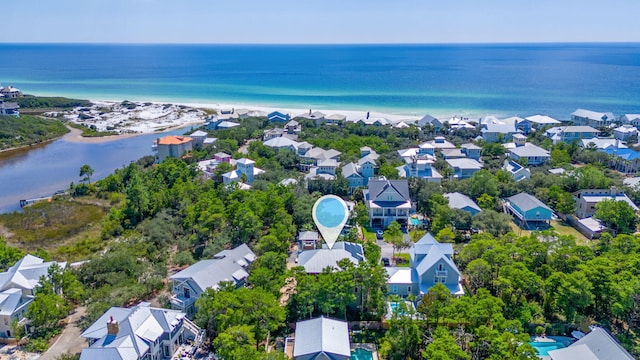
245 161
12 299
227 124
371 158
174 140
499 128
199 133
322 336
137 328
470 146
542 119
593 115
599 195
572 129
464 163
227 265
626 154
512 120
529 150
461 201
526 202
314 261
441 143
432 257
593 224
631 182
401 275
25 274
626 128
602 143
281 142
336 117
599 344
422 246
452 153
376 187
631 117
350 169
288 181
308 235
328 163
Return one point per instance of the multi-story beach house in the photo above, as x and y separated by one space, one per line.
387 201
140 333
463 168
321 338
9 108
431 263
498 132
9 92
532 154
626 132
592 118
18 286
173 146
587 199
631 119
530 212
358 174
245 168
568 134
227 265
429 120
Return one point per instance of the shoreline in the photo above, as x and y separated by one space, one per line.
23 147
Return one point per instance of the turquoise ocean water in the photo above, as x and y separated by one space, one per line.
552 79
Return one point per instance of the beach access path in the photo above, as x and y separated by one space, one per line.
69 341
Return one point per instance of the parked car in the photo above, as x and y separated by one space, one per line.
385 261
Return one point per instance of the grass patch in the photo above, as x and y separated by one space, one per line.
67 224
48 102
402 260
558 226
368 234
28 130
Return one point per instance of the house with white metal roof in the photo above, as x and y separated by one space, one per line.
592 118
498 132
315 261
9 108
431 263
244 167
138 333
602 143
430 120
530 212
227 265
633 119
462 202
625 132
17 288
322 338
587 199
387 201
599 344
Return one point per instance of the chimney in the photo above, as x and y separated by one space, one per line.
112 327
367 115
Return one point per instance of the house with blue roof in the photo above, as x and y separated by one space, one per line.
431 263
624 160
278 116
529 212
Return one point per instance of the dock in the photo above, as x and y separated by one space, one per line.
26 202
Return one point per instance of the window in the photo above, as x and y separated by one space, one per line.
409 289
187 293
394 289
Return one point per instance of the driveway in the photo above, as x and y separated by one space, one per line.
387 249
69 341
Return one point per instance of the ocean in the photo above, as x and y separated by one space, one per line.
503 80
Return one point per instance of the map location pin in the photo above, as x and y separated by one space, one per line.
330 214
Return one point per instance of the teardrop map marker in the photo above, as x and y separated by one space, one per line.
330 213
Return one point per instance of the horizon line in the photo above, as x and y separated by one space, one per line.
327 44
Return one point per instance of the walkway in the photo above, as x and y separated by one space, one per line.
69 341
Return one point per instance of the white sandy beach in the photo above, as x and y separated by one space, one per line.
153 116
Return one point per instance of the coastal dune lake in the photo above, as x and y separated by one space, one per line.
44 169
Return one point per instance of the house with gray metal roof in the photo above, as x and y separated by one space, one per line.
592 118
9 108
498 132
315 261
587 199
322 338
430 120
227 265
532 154
464 168
517 171
633 119
530 212
599 344
462 202
431 263
387 201
137 333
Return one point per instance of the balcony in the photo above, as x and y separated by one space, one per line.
182 303
441 273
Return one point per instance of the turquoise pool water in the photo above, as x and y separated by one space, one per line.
361 354
414 221
543 348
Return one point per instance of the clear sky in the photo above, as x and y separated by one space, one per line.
319 21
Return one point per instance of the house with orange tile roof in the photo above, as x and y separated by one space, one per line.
173 146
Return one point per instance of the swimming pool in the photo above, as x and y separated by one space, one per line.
543 347
361 354
414 221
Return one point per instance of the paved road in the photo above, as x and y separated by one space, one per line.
69 341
